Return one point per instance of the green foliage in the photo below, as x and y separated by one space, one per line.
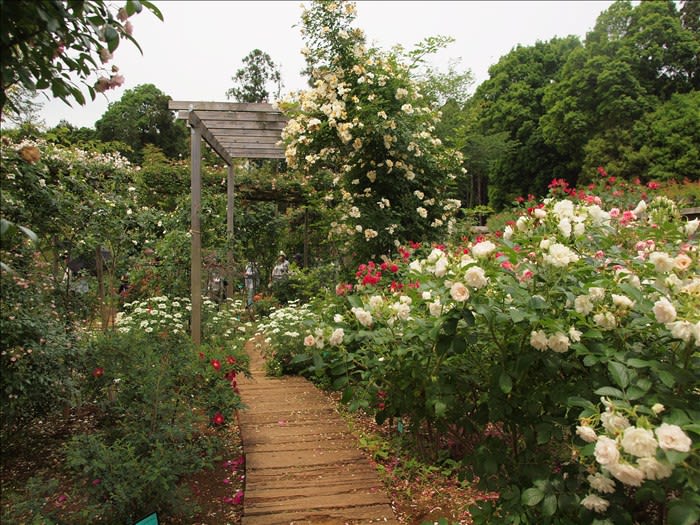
502 142
37 357
44 43
156 394
507 344
252 79
142 117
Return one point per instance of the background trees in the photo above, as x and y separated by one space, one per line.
253 79
142 117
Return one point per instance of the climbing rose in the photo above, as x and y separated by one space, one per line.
586 433
628 474
475 277
595 503
601 483
654 469
671 437
606 452
337 337
639 442
664 311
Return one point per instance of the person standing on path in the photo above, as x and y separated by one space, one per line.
281 269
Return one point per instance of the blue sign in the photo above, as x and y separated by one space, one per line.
151 519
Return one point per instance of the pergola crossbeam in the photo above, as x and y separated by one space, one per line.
233 130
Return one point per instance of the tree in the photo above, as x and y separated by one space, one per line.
636 58
252 80
504 130
45 42
142 117
666 142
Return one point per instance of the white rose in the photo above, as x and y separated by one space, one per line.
586 433
507 232
521 223
558 342
574 335
363 316
627 474
376 301
441 267
681 330
657 408
579 229
337 318
560 256
583 304
337 337
662 261
563 208
564 227
538 340
539 213
309 340
435 308
483 249
664 311
639 442
426 296
596 294
606 320
475 277
601 483
459 292
402 310
622 301
595 503
613 422
416 266
653 468
671 437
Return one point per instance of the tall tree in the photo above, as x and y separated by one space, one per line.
508 109
142 117
45 42
253 79
635 58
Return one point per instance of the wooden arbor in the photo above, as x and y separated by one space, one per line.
233 130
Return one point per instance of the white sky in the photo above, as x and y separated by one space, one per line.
193 54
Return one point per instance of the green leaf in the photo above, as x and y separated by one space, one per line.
505 383
340 382
692 427
609 391
619 374
638 363
667 378
683 514
549 505
516 315
459 345
532 496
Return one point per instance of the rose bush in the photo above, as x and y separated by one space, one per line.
498 351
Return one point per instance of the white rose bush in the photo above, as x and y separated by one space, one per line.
559 366
364 136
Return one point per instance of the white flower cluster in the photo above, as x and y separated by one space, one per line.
628 453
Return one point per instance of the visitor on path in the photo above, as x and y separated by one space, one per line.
250 279
281 269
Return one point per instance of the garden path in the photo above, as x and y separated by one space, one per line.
302 463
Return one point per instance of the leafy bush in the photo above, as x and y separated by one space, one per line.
499 352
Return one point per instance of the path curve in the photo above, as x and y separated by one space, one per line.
302 463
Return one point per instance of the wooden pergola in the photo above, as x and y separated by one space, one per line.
233 131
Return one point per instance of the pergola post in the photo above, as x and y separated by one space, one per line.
196 273
229 231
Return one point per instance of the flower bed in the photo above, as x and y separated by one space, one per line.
557 360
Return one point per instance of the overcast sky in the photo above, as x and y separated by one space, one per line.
195 51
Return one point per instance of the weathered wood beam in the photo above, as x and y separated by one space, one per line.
207 135
243 124
220 106
241 115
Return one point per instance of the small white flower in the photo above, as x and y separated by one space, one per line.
627 474
595 503
476 277
538 340
483 249
639 442
601 483
586 433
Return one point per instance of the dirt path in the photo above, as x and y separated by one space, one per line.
302 464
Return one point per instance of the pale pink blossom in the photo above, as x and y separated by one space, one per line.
672 437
